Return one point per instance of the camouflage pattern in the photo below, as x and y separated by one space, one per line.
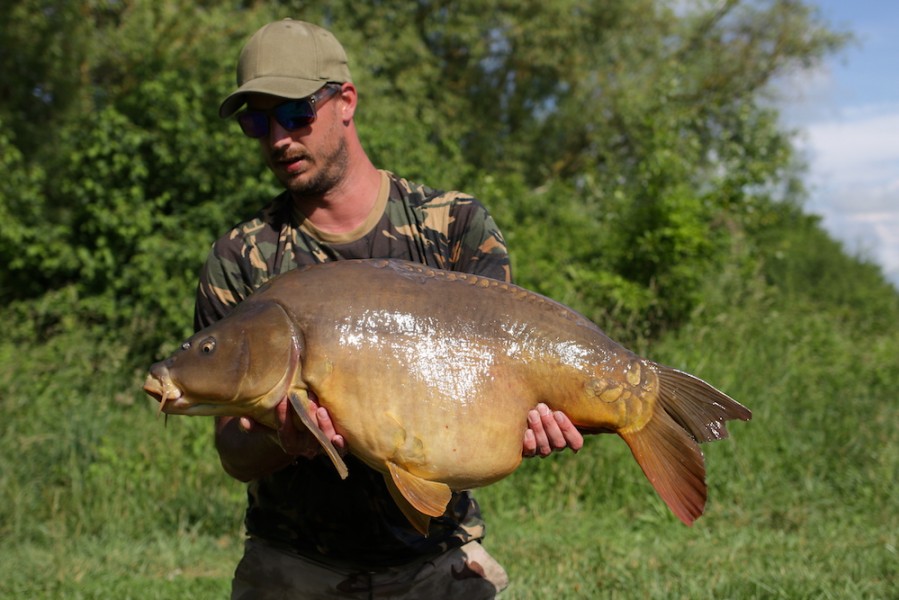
269 572
445 230
306 507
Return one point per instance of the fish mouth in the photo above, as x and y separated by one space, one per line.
170 397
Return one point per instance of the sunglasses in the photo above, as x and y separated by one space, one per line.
291 115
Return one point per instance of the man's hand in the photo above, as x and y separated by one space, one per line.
549 431
250 450
293 441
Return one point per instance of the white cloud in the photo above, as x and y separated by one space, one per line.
859 147
854 180
847 112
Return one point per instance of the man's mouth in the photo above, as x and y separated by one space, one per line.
293 163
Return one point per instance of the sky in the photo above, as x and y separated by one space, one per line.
847 113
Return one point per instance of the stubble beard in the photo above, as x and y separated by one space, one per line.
333 168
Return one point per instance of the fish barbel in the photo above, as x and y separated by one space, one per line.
429 376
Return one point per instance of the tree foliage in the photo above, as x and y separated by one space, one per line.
627 148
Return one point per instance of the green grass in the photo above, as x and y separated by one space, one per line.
99 498
802 499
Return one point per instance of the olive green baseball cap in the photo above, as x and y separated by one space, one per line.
289 59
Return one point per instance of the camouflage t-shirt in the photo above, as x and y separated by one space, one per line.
306 507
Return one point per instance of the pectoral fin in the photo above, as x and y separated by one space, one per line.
427 497
300 403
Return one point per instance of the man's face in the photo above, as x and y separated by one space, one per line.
308 161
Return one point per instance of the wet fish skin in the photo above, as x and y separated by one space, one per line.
429 376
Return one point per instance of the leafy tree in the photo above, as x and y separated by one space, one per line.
653 116
118 212
625 147
45 49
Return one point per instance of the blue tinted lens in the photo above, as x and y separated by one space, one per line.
294 114
291 115
254 123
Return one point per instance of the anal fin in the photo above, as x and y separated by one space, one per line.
417 519
426 497
301 409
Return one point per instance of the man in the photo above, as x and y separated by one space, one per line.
311 534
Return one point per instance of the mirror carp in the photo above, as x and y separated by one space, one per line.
429 376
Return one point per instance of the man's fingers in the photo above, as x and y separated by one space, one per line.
536 424
555 438
529 446
324 422
549 431
573 438
327 427
245 424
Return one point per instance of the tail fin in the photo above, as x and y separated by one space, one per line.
688 410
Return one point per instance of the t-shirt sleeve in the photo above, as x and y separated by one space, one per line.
478 246
223 282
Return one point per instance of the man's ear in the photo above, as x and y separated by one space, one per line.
348 98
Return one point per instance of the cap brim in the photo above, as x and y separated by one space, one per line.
283 87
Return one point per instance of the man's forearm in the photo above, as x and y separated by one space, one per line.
247 455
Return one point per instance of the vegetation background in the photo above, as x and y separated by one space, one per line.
632 154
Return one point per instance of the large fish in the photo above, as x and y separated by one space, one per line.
429 376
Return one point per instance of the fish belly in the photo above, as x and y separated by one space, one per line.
441 418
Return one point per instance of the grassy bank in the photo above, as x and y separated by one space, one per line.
802 500
100 498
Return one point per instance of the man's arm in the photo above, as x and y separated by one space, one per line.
249 450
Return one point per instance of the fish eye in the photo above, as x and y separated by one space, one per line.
207 346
